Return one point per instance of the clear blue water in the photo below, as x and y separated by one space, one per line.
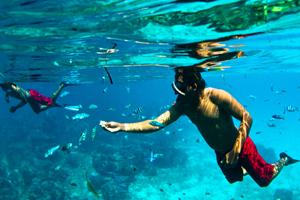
45 42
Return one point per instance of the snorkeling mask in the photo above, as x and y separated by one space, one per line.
185 77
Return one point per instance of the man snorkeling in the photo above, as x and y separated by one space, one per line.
37 101
211 110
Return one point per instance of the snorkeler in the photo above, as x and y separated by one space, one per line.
212 111
37 101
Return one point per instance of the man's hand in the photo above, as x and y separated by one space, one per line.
112 126
12 109
232 157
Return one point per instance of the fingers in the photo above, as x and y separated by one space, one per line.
105 124
109 126
230 159
102 123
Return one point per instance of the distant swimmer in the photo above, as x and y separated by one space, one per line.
37 101
212 111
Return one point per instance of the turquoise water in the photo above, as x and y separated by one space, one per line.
249 48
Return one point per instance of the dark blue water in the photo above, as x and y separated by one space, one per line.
249 49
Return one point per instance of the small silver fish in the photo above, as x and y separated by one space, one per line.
80 116
63 94
74 108
83 136
93 106
291 108
154 156
93 134
51 151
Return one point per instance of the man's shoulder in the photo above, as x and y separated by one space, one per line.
212 91
217 95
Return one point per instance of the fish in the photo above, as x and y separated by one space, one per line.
291 108
80 116
93 134
154 156
252 96
166 107
105 90
128 106
277 117
55 63
270 124
83 136
93 106
63 94
138 110
73 108
91 187
73 184
66 147
51 151
151 157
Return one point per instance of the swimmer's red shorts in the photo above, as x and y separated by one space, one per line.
35 95
249 158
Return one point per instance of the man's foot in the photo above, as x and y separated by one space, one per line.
65 83
287 159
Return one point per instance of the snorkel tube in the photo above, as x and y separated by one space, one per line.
177 90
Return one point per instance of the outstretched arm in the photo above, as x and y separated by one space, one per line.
7 97
19 105
232 106
146 126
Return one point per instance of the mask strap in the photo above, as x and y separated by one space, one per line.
177 90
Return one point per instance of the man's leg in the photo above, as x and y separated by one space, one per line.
284 160
262 172
57 92
232 174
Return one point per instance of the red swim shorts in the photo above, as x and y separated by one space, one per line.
249 158
35 95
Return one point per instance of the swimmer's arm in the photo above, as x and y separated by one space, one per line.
19 105
146 126
7 97
226 102
231 105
